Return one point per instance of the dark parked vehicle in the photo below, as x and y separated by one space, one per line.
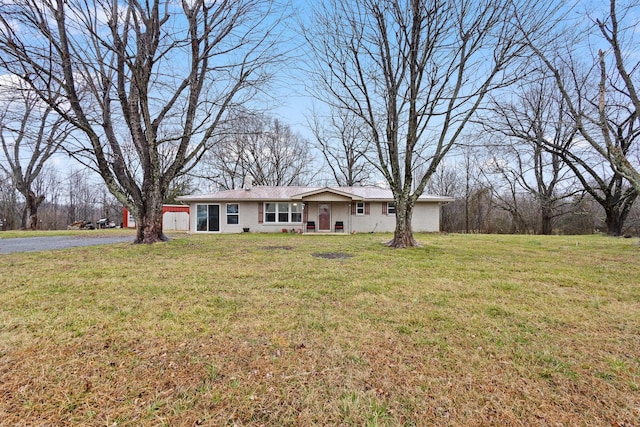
105 223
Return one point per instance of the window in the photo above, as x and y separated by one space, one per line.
232 214
296 212
362 208
208 217
391 208
283 212
270 212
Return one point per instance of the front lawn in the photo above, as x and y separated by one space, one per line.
256 329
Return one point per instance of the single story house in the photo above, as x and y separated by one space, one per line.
307 209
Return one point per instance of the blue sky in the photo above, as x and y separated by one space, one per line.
289 100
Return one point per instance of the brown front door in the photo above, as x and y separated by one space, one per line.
324 216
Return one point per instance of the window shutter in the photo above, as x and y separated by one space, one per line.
305 214
384 208
367 209
260 212
353 208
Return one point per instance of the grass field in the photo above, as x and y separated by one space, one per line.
251 329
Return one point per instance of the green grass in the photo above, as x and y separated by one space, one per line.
254 329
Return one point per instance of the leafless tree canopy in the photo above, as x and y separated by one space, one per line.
413 72
257 149
148 83
529 135
30 133
344 146
601 91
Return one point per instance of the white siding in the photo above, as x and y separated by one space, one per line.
426 218
247 218
375 221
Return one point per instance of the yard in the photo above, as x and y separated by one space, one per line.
254 329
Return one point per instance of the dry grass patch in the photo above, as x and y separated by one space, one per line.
253 330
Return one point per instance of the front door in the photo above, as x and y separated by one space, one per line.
324 216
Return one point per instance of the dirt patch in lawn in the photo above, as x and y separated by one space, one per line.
332 255
275 248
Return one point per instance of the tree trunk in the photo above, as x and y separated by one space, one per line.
546 227
23 218
32 204
403 235
546 217
149 229
614 221
149 221
513 228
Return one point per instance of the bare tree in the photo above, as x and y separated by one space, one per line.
8 201
606 186
414 72
87 199
258 150
449 180
52 213
224 164
344 147
506 192
525 128
146 81
81 196
461 177
181 186
277 156
603 100
30 133
47 182
543 118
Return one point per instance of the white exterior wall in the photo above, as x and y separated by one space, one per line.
340 211
426 218
247 217
375 221
248 212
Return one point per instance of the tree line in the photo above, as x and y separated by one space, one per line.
72 196
522 107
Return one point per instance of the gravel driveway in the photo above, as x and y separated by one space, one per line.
35 244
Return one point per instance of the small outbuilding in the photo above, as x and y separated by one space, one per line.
174 218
